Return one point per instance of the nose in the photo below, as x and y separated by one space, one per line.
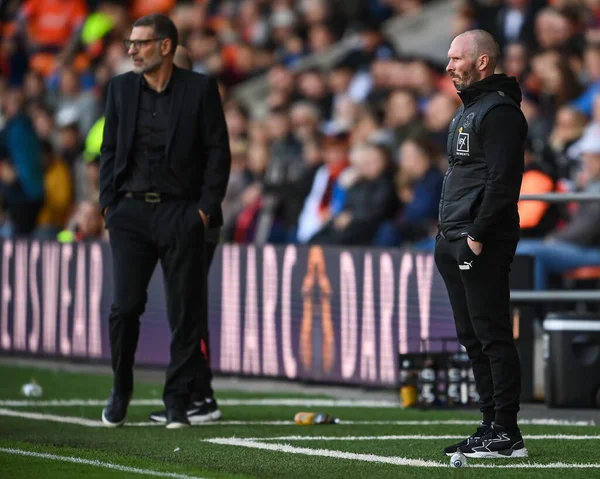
450 67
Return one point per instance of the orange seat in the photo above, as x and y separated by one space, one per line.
583 273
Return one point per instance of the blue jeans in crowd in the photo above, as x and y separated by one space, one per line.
554 257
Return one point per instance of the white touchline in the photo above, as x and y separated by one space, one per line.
408 437
50 417
95 462
308 402
97 423
293 402
393 460
397 461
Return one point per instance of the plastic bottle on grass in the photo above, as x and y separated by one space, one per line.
308 418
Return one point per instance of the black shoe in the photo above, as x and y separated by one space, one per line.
498 443
177 419
474 439
159 416
115 411
198 412
205 411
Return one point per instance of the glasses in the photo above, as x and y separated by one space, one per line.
138 43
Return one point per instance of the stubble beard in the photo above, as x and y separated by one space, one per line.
150 67
467 79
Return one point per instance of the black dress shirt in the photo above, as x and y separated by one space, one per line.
148 169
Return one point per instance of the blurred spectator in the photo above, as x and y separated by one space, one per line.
44 124
291 192
320 38
373 46
438 115
515 61
578 243
560 152
312 86
69 141
34 89
79 107
368 202
584 103
316 212
423 80
556 83
305 117
239 179
419 185
237 121
552 29
245 212
402 116
514 21
87 224
21 168
58 194
285 161
369 126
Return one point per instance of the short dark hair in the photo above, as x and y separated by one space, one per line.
163 27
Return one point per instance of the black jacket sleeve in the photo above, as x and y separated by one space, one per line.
215 140
108 151
503 132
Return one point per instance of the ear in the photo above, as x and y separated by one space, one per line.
483 62
165 47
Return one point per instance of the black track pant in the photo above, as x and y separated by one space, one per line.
479 292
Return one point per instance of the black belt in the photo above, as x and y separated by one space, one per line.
151 197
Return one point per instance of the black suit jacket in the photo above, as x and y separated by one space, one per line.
197 150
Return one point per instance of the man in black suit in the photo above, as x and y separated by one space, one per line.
164 169
203 405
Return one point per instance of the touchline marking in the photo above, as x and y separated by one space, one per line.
97 423
397 461
290 402
50 417
393 460
294 402
408 437
95 462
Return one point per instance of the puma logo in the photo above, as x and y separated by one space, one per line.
466 265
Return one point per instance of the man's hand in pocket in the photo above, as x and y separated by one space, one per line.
475 246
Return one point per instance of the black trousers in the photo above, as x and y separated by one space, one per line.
206 390
141 234
479 292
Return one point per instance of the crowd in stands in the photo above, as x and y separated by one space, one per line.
349 155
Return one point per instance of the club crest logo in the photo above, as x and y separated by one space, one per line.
468 121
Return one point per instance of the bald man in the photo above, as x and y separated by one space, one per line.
203 406
479 232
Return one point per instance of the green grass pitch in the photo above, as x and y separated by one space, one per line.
50 438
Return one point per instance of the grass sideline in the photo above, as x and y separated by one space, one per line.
255 440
